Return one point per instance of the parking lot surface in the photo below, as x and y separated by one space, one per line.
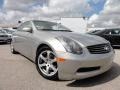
19 73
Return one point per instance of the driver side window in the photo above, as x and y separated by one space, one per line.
24 25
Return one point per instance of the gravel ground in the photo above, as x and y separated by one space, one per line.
18 73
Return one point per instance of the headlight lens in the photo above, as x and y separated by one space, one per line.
70 45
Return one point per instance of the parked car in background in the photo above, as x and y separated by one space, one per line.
112 35
9 31
60 53
4 37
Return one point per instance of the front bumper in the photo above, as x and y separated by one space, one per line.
7 39
68 70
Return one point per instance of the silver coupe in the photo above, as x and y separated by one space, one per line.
61 53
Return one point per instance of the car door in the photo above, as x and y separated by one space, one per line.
107 35
24 40
113 36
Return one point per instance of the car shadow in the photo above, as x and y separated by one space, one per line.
4 43
113 73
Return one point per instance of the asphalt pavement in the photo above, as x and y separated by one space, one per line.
19 73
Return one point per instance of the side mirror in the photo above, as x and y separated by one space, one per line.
15 28
27 29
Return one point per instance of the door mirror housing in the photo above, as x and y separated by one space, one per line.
14 27
27 29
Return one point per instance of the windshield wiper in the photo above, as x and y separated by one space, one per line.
63 30
47 29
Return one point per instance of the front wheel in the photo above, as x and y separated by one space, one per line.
12 49
47 64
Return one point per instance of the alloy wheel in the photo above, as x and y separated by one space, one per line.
47 63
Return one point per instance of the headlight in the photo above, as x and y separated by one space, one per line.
70 45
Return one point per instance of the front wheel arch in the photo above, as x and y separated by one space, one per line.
40 46
54 77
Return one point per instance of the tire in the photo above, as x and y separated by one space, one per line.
46 63
8 41
12 49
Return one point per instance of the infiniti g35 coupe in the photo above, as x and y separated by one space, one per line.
60 53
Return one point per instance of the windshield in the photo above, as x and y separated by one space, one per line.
50 26
8 31
1 31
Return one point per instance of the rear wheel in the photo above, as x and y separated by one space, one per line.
46 63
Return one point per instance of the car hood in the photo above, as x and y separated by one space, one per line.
84 39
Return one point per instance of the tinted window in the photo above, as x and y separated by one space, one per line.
113 32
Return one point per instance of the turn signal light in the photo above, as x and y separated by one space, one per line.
60 59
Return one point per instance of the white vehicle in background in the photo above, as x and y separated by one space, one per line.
76 24
4 37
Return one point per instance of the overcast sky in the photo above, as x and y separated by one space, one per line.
101 13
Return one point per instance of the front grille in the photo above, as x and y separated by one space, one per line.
88 69
99 49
